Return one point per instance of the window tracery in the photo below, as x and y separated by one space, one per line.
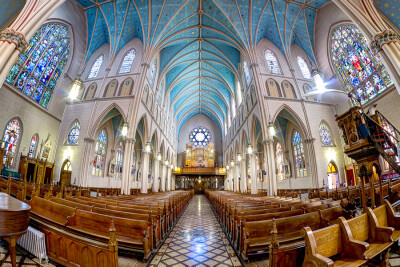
94 71
99 154
127 62
272 62
200 136
299 157
304 68
10 141
73 134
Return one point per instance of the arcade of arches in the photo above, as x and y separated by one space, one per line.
160 98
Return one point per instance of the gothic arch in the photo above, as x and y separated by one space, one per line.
103 114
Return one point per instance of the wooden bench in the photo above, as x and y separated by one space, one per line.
51 212
323 245
130 233
386 217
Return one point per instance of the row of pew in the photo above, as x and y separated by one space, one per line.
87 230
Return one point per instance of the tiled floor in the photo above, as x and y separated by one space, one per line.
24 258
197 240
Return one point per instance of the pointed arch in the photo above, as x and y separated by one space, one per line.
111 88
33 145
94 70
74 130
126 87
11 140
91 91
103 114
297 119
325 134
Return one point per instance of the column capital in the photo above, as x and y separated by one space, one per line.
130 140
309 140
268 141
253 65
10 36
383 38
88 140
145 65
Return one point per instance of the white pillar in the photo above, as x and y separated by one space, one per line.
145 173
87 162
156 181
253 174
163 175
269 145
236 177
169 178
127 165
243 176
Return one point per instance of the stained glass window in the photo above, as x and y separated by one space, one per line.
111 88
279 161
359 70
99 154
126 87
153 70
91 91
37 71
119 158
246 71
325 135
96 67
73 135
33 145
273 88
304 68
299 158
288 89
272 62
200 136
127 62
10 141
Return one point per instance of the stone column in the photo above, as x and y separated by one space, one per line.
145 172
236 176
243 176
127 165
14 40
168 187
271 163
163 175
311 163
87 161
156 181
253 174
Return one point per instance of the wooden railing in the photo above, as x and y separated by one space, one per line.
199 170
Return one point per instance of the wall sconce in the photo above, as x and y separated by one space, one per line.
166 163
75 88
159 156
147 148
124 130
172 166
227 168
249 149
232 163
239 157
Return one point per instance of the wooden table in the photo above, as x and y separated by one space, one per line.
14 221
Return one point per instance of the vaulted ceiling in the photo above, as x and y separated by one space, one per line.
201 42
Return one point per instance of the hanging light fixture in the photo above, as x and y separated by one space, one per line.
147 148
159 156
124 130
249 149
319 80
239 157
271 129
75 88
166 162
227 167
232 163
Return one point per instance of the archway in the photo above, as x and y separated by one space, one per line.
333 175
66 172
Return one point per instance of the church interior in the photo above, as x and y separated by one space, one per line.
199 133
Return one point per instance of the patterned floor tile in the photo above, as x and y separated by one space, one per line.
197 240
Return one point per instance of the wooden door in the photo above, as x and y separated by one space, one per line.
66 172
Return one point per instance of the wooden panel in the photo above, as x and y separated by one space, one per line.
329 240
360 227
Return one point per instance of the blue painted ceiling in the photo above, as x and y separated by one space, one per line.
391 9
9 9
200 42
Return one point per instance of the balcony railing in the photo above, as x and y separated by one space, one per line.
199 171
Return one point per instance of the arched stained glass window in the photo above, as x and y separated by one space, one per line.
10 141
96 67
111 88
279 161
126 87
91 91
153 70
359 70
100 154
288 89
73 134
325 135
200 136
246 71
33 146
273 88
127 61
119 158
272 62
299 157
304 68
37 71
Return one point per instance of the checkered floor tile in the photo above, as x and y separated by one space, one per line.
197 240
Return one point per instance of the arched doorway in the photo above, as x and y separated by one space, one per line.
333 175
66 171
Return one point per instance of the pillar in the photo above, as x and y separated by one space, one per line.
168 187
156 181
145 172
86 161
271 165
14 40
243 176
236 176
127 165
163 175
311 163
253 174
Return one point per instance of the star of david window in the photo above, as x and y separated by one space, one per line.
200 136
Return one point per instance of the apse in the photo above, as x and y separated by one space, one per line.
209 134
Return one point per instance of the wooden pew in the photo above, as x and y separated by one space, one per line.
384 216
129 233
329 216
322 245
51 212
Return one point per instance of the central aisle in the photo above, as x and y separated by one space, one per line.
196 240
